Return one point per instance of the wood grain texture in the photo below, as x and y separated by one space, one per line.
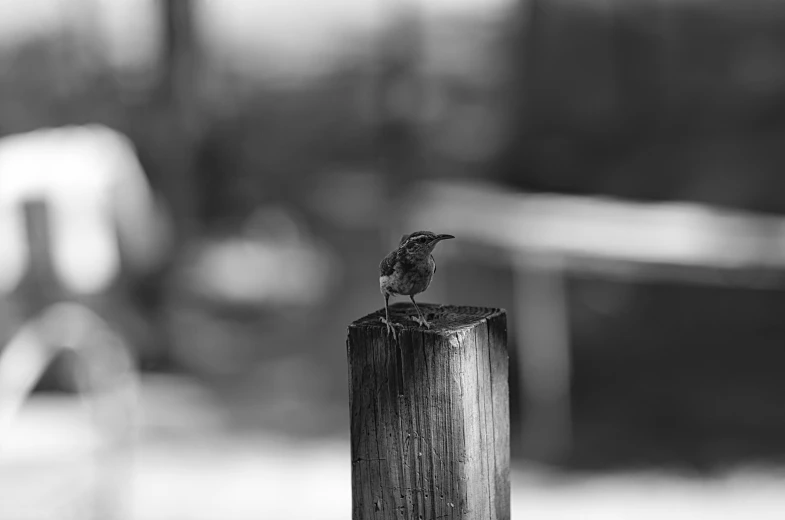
430 423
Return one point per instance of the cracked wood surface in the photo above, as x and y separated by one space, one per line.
430 423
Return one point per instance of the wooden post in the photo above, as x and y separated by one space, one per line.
430 420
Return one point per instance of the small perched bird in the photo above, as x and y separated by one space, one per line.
408 270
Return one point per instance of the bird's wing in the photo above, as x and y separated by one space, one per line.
387 266
434 264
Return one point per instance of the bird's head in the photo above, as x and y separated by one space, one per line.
421 242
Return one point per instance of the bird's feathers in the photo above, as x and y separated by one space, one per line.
387 266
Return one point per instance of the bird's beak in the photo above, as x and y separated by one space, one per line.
442 237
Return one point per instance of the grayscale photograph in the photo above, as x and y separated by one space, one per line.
392 260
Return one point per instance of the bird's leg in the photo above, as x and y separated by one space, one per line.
421 320
386 320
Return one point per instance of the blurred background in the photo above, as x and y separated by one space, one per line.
195 196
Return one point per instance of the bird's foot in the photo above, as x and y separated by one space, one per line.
390 326
422 322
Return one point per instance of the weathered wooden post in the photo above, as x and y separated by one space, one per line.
430 421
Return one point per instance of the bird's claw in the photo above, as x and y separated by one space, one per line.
422 322
390 326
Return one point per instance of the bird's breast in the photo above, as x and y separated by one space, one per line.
410 279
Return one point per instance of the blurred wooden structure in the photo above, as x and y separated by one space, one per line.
105 375
430 415
64 244
544 237
104 370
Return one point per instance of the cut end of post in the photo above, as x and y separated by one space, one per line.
444 319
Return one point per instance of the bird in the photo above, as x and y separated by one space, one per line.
408 270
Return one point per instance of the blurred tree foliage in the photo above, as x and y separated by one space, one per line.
271 146
651 100
265 146
217 142
46 83
647 100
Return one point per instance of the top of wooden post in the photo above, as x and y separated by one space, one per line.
444 319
